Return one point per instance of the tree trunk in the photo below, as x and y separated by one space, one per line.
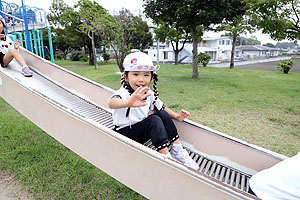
94 50
119 62
91 55
233 50
195 54
176 57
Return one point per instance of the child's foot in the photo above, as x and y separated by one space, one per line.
182 156
26 71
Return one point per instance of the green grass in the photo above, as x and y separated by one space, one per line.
259 107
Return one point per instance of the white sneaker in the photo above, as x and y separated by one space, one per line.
183 157
27 72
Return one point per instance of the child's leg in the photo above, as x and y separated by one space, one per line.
177 151
150 128
169 126
11 55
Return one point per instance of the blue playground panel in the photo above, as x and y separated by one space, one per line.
26 24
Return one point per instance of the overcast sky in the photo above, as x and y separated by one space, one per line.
135 6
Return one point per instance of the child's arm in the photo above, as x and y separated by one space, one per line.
179 116
135 100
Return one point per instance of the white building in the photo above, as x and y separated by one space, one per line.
251 52
219 48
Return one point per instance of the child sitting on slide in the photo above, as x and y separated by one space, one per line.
9 51
133 102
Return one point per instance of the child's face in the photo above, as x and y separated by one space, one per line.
138 79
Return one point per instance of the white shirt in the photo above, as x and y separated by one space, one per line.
136 114
6 45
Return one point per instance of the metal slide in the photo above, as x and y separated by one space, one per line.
74 111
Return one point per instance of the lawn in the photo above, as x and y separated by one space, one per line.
260 107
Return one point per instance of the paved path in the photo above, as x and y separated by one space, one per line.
266 64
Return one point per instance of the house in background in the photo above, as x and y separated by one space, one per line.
218 48
252 52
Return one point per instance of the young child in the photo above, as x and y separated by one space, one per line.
9 51
131 106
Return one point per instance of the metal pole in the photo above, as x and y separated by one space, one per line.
42 44
50 44
26 26
157 46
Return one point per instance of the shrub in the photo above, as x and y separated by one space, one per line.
285 65
75 56
106 56
204 58
59 56
83 57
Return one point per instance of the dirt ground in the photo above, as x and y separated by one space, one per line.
10 189
269 66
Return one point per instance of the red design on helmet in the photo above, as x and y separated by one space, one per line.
133 61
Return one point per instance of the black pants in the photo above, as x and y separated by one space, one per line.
158 127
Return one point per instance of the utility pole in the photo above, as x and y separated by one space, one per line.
157 46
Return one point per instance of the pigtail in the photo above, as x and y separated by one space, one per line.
155 79
125 84
127 87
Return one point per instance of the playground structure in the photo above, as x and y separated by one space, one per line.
26 24
74 111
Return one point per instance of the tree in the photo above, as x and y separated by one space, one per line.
64 20
122 33
238 25
193 16
90 14
269 45
278 18
141 38
66 41
173 35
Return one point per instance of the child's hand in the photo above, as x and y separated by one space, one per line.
2 35
138 96
17 44
182 115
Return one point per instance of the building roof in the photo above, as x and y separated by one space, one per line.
255 48
215 38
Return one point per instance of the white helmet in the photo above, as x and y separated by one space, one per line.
139 61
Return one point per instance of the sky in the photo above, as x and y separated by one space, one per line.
135 6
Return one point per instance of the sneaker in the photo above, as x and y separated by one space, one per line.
183 157
27 72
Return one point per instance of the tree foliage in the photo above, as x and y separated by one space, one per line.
193 16
66 40
278 18
204 58
91 13
173 35
64 22
124 32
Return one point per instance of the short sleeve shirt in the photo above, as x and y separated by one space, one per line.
6 45
136 114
